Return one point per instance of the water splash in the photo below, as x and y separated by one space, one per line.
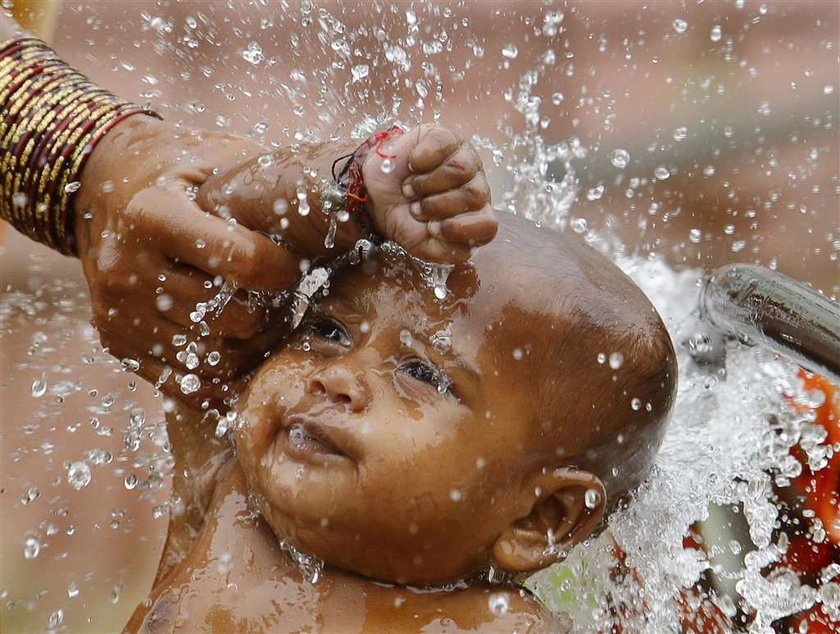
727 439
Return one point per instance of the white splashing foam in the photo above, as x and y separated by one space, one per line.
721 445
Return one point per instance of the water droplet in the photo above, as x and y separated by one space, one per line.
455 495
405 338
616 360
213 358
190 383
56 618
661 172
163 302
592 498
253 54
510 51
828 89
72 590
680 26
31 494
695 235
681 133
579 225
716 33
31 547
620 158
130 481
39 387
498 603
72 187
387 166
130 365
602 358
557 98
360 72
280 206
764 108
224 563
595 193
78 475
440 292
303 203
19 200
636 404
191 361
517 354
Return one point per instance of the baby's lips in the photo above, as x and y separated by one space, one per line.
335 438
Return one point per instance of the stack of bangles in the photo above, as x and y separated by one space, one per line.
52 117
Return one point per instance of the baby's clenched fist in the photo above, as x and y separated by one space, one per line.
427 192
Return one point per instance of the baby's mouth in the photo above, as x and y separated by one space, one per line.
308 439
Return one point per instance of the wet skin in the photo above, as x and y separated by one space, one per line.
362 442
235 578
384 454
358 449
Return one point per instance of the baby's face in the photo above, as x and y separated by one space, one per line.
385 436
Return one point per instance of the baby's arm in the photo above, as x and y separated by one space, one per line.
432 198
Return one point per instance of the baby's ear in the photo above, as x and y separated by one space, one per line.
566 505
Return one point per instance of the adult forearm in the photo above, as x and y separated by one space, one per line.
53 116
290 193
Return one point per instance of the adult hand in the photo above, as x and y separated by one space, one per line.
151 254
432 198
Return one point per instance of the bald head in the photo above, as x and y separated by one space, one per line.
599 359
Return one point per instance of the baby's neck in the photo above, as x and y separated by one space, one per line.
235 577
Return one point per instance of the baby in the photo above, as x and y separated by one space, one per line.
430 449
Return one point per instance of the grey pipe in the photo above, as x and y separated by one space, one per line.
762 307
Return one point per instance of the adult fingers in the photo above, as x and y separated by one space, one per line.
182 231
456 170
208 357
471 196
189 289
213 378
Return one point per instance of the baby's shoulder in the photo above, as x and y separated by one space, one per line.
477 610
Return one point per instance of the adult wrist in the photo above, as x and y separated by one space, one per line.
53 118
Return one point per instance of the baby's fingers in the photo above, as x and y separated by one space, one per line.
434 145
471 196
459 168
474 229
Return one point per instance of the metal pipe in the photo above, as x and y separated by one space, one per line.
763 307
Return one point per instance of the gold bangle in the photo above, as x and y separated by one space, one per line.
51 120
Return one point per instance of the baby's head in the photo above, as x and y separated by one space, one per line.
418 440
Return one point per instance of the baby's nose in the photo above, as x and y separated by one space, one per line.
341 385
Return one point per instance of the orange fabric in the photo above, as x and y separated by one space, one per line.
821 492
